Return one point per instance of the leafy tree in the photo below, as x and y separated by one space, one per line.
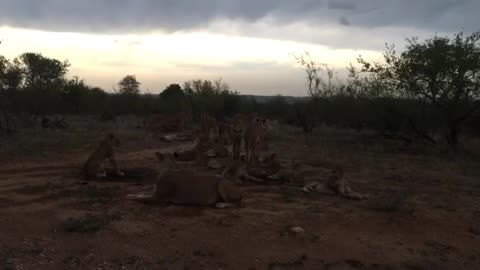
207 88
39 71
173 99
441 73
129 85
74 91
213 97
173 91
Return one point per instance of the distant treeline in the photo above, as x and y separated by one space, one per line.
429 93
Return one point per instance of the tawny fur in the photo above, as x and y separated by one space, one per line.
225 133
209 125
237 137
105 150
184 187
337 184
254 136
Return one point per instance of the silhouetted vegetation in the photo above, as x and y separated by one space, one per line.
428 93
433 85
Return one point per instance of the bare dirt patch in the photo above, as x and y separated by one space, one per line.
51 220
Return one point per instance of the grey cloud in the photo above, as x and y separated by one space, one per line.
342 4
127 16
344 21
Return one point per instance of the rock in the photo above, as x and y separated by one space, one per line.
297 230
222 205
167 138
211 153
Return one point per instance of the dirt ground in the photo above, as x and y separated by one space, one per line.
50 219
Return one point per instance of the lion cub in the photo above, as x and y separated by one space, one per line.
93 168
185 187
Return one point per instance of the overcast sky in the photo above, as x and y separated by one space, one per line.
248 43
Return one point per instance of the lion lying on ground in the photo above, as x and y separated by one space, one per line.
337 184
185 187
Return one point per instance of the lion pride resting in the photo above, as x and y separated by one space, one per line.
184 187
93 168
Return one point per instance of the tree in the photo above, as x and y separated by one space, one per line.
10 75
319 85
207 88
173 98
129 85
74 91
173 91
40 71
441 73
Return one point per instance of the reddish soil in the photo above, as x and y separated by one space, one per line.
441 230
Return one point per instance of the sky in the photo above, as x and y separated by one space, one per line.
249 43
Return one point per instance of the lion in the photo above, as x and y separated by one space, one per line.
254 136
269 169
271 162
199 145
209 124
234 169
93 168
184 187
337 184
238 170
225 133
236 135
219 150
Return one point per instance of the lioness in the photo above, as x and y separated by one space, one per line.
184 187
209 124
337 184
237 133
254 136
225 133
105 150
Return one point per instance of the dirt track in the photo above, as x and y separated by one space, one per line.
440 230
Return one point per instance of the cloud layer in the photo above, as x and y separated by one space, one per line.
335 29
133 16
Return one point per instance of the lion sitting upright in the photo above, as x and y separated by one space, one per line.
93 168
185 187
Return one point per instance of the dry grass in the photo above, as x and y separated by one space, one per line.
85 132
